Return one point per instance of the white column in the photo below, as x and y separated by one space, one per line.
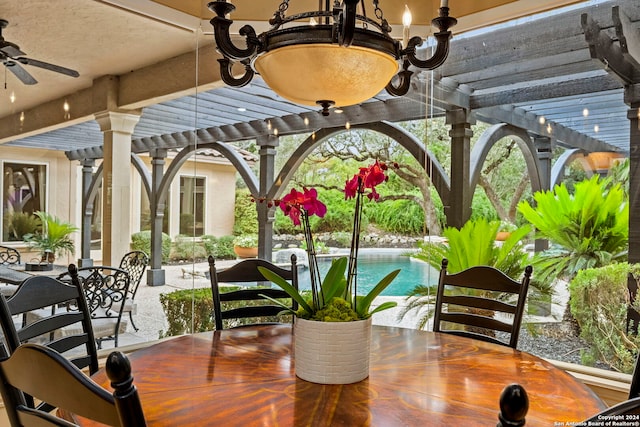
117 129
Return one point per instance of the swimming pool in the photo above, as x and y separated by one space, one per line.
373 265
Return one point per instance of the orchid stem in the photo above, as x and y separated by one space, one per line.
355 244
314 271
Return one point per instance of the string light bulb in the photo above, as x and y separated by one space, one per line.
65 107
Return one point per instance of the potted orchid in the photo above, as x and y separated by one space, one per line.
334 311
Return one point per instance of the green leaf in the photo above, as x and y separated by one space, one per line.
362 305
286 286
384 306
334 282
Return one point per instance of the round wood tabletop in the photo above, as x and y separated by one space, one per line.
245 377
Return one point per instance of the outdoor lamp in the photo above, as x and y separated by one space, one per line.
333 56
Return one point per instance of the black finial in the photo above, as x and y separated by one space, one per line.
514 404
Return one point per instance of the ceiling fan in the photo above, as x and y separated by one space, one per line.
12 58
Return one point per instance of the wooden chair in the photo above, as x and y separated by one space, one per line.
52 313
40 307
43 373
105 289
243 272
135 263
473 300
9 256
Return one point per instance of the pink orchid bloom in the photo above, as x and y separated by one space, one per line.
374 176
295 201
312 205
367 177
351 188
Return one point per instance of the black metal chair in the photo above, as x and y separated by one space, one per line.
9 256
40 372
473 300
246 271
105 289
135 263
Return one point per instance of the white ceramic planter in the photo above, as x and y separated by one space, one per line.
332 352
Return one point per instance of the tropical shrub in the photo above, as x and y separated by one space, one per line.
587 229
245 215
246 241
473 244
219 247
141 241
186 305
21 223
188 249
398 216
481 207
599 298
53 237
185 308
338 218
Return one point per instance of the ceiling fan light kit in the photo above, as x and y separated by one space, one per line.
334 56
13 59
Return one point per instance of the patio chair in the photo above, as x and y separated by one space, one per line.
478 302
52 313
135 263
43 373
244 272
9 256
105 288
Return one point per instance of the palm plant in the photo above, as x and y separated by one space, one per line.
587 229
53 239
473 244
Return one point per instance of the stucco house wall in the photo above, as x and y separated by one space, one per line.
64 193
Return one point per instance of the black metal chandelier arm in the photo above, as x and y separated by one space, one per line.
227 77
404 81
221 33
347 23
438 57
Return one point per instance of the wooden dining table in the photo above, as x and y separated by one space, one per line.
246 377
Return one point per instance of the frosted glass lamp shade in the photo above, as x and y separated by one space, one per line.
308 73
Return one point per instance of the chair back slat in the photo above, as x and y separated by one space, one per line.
479 302
246 271
40 305
43 373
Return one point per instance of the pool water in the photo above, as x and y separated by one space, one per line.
373 266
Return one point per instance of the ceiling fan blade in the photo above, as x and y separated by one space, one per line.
47 66
20 73
11 49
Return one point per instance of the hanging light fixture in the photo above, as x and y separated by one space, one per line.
331 56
